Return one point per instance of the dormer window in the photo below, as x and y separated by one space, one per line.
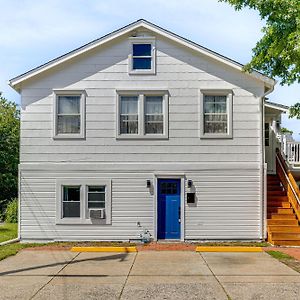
142 57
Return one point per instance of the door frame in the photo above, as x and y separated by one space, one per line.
180 176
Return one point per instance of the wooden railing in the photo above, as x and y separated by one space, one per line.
289 183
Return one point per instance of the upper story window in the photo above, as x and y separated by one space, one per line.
142 114
142 58
69 114
216 114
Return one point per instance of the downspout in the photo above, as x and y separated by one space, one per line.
263 172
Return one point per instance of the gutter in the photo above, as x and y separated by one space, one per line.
264 170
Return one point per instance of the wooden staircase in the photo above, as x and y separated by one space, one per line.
283 225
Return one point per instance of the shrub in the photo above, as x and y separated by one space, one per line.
11 213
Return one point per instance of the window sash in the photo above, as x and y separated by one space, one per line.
216 116
96 203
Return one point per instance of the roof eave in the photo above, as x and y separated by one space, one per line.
16 81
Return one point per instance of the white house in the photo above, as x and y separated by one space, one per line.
144 130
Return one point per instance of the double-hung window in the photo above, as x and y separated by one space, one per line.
216 114
142 114
142 57
76 198
69 110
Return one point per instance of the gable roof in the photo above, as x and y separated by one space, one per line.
16 81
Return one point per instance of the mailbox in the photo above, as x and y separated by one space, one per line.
190 198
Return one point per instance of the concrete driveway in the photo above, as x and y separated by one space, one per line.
184 275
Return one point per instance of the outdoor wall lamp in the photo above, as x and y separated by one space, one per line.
148 183
190 183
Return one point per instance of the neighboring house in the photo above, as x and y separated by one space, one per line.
144 130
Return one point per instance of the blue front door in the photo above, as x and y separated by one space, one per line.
168 209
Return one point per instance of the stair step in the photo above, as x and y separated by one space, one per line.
285 236
279 204
277 198
276 193
282 217
280 210
283 228
282 222
286 243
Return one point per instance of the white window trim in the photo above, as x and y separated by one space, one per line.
142 40
141 114
229 103
82 95
84 218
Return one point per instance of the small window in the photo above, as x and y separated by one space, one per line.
267 134
71 202
154 117
216 114
142 114
96 196
129 115
142 55
69 114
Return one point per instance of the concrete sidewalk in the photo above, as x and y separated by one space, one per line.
146 275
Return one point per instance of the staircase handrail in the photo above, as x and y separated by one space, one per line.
290 185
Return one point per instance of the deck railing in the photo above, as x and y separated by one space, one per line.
290 151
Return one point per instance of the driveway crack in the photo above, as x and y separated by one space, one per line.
121 293
223 288
63 267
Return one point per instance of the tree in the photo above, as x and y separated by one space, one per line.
277 54
9 151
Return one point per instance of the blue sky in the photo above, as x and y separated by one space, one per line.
33 32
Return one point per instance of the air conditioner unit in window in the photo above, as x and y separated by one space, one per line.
97 213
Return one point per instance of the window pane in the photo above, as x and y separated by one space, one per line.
129 124
141 63
71 202
68 104
96 197
129 104
154 104
141 49
96 205
97 188
215 124
68 124
71 210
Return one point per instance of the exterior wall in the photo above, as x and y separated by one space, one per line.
226 172
227 202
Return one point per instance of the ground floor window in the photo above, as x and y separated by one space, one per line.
83 202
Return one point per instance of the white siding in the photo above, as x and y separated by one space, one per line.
228 202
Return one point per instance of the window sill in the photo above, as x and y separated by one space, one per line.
142 72
216 136
79 221
142 137
69 137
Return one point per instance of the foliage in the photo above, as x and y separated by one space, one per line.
13 249
294 111
11 212
278 51
285 130
9 151
279 255
8 232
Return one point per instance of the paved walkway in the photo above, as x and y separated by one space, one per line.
146 275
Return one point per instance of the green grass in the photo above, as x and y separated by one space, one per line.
286 259
8 232
13 249
279 255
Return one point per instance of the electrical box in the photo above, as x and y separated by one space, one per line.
190 198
